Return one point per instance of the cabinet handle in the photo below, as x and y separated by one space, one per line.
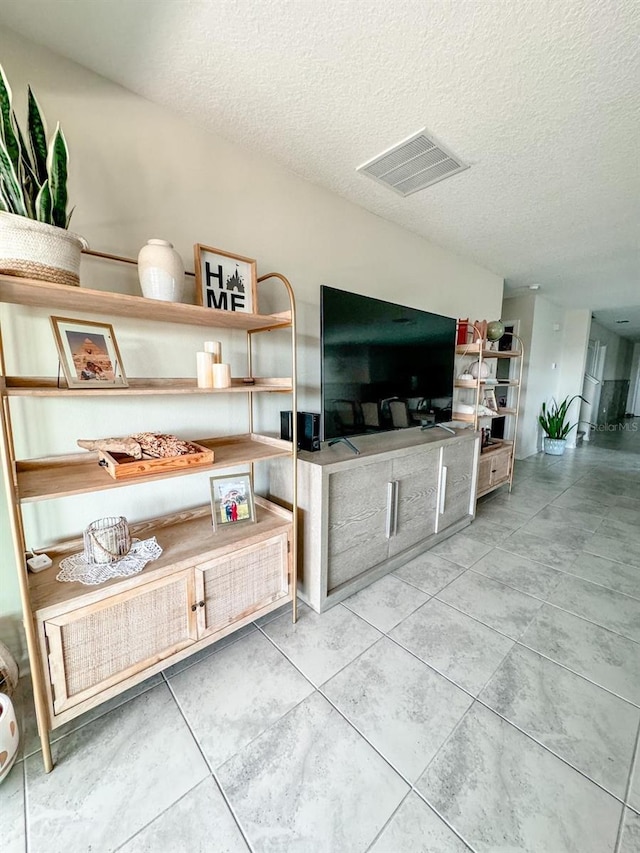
201 604
396 492
194 607
388 530
443 489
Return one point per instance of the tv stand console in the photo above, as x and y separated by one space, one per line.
366 515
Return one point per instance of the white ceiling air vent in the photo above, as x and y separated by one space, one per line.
413 164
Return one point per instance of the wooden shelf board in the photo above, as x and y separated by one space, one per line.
462 416
187 538
47 386
506 412
79 473
474 349
44 294
512 383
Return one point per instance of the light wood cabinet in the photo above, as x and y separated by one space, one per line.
87 644
363 516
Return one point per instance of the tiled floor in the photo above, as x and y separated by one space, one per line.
484 697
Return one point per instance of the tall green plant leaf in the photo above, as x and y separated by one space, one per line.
8 122
13 190
4 202
43 204
37 138
57 166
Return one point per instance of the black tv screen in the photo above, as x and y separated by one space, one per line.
384 366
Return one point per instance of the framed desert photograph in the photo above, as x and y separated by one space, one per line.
88 353
225 281
232 500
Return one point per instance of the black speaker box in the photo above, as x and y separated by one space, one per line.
308 429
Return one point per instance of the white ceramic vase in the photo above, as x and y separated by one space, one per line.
9 736
161 271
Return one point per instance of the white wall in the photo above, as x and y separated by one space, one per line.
617 363
139 171
575 339
555 343
633 402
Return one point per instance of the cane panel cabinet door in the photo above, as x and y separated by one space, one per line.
232 586
94 647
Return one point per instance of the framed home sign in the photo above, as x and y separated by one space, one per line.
88 353
225 281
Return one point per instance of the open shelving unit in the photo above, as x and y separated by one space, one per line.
496 465
203 586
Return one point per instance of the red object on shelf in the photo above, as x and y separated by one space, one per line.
463 326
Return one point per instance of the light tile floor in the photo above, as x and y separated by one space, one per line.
484 697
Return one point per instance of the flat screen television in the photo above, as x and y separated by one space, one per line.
384 366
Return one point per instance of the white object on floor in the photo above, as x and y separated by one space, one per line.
9 736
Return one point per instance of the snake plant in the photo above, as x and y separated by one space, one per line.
33 178
553 419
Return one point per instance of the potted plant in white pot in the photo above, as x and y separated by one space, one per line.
34 240
554 421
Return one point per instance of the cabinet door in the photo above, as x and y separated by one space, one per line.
416 498
242 582
484 474
97 646
457 481
500 467
358 511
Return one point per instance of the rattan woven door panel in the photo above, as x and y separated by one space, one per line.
97 646
240 583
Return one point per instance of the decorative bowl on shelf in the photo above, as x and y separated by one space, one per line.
478 370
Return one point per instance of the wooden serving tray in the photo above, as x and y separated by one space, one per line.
123 467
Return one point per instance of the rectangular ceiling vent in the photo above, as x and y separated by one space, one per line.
413 164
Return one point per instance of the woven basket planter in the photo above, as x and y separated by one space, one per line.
32 249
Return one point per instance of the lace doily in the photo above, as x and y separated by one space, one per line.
76 568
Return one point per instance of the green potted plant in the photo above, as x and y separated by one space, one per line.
555 423
34 240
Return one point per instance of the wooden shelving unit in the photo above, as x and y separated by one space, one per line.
203 586
496 464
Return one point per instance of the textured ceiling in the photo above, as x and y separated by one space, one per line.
541 97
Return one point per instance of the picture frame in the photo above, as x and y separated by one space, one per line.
232 500
88 353
490 399
225 281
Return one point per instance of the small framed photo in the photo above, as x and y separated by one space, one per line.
225 281
490 399
88 353
232 500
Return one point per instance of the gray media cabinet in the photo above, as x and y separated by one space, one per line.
362 516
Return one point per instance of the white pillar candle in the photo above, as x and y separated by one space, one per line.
204 363
221 375
215 348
